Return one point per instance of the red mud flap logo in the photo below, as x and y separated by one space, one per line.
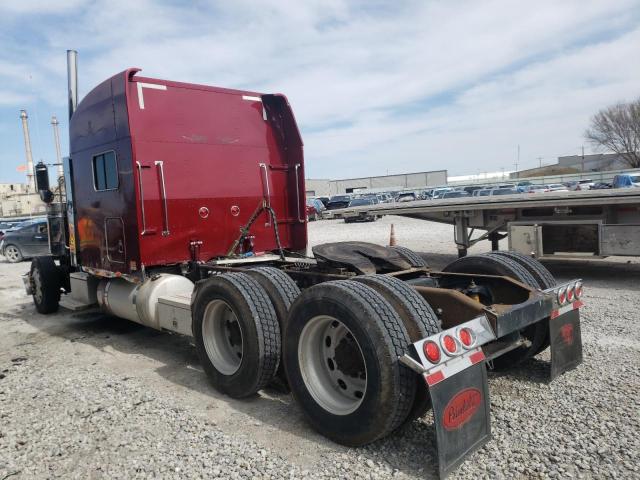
461 408
566 332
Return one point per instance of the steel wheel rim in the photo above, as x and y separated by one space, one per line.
332 365
11 253
222 337
37 285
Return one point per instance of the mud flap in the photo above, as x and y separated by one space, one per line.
566 342
461 415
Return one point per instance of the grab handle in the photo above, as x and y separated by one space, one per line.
163 192
297 168
145 231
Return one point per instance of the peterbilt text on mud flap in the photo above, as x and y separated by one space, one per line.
453 365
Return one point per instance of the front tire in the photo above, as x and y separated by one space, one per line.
236 333
341 350
45 284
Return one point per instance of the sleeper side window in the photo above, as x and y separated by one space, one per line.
105 171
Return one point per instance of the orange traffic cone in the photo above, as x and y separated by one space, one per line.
392 237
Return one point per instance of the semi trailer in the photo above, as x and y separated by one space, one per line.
182 208
587 224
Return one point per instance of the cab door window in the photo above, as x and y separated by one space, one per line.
105 171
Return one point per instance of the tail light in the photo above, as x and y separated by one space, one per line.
577 290
562 296
570 293
467 337
449 344
431 351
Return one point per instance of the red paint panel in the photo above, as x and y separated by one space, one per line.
476 357
434 378
211 143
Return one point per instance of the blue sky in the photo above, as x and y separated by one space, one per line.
376 87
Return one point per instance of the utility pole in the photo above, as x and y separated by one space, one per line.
540 160
56 140
582 158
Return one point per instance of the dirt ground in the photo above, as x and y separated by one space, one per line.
56 368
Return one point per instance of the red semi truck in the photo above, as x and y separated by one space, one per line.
182 208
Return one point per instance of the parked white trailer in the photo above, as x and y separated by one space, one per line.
590 223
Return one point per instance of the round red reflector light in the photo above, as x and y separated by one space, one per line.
578 290
562 296
431 351
570 294
449 344
466 336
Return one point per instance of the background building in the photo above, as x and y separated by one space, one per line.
17 200
594 163
324 187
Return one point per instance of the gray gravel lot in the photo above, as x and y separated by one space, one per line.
90 396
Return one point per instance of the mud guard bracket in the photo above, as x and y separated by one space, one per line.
461 415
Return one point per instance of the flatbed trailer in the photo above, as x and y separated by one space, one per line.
588 223
183 211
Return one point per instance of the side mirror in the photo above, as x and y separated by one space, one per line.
42 177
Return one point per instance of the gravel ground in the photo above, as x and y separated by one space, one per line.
89 396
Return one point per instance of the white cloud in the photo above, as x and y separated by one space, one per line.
374 85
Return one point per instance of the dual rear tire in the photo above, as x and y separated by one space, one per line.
525 270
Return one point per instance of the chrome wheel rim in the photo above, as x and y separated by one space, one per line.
12 253
332 365
222 337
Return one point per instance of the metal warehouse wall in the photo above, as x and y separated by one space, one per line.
316 187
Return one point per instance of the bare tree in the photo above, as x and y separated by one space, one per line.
617 128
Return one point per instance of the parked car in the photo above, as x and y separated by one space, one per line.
438 192
580 185
25 240
535 189
406 197
5 226
455 194
503 191
324 200
523 186
626 181
314 209
360 216
338 201
601 186
557 187
485 192
472 188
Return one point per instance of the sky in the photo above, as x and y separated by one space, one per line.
377 87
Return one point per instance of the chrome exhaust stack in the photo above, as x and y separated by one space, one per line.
72 80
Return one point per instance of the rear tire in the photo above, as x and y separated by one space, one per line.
45 283
13 254
341 350
236 333
419 319
415 260
490 264
543 276
281 290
